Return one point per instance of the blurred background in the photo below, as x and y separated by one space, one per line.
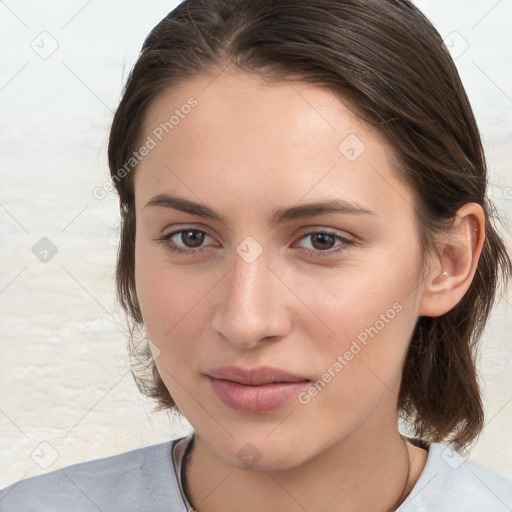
66 391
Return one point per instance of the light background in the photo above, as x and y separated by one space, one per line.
67 394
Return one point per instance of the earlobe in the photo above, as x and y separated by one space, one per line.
454 267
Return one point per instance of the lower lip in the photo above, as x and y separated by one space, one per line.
255 399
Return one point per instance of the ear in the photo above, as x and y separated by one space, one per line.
452 271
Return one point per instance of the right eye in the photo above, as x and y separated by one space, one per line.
193 237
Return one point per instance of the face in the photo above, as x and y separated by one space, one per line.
303 258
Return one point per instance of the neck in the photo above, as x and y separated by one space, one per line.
360 472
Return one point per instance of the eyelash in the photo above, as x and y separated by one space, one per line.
165 240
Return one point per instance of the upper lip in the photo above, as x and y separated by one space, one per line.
255 376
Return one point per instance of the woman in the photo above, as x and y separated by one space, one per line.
307 242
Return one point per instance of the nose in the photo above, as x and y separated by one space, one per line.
253 304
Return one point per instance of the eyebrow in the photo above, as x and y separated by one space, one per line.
282 214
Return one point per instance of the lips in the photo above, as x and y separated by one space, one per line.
255 391
255 376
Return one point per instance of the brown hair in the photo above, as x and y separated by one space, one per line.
387 60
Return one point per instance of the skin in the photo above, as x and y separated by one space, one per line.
247 149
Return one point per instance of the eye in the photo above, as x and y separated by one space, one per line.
190 238
190 241
322 242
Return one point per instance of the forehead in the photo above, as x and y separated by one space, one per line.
260 141
279 114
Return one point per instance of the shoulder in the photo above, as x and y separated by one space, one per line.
141 479
453 483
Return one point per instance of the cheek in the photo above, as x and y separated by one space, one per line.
167 304
370 317
362 304
361 366
173 302
166 294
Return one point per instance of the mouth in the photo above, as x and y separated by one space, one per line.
255 376
255 391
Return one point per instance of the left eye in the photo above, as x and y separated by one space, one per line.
322 241
192 239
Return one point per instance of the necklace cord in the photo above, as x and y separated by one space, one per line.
403 495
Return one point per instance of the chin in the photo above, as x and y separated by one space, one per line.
254 453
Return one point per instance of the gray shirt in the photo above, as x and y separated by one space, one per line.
149 480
